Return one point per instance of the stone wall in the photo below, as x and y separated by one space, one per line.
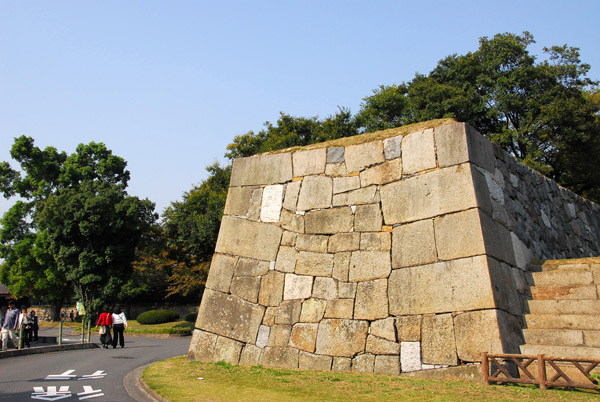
396 251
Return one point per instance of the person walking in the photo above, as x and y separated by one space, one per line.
11 322
35 323
105 322
119 324
25 323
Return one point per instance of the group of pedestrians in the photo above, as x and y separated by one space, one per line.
117 321
14 320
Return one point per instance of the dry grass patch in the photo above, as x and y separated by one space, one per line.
177 380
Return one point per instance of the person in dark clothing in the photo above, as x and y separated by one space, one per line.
119 324
35 325
105 322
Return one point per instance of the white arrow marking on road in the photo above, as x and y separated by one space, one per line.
89 392
51 394
64 376
97 374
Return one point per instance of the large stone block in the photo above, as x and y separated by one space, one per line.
367 265
238 201
314 243
335 155
371 300
221 272
272 202
246 287
250 355
384 329
309 162
309 361
376 241
341 337
279 358
340 308
202 346
222 314
304 336
292 190
364 363
408 328
227 350
362 155
315 264
264 332
297 287
261 169
459 235
385 173
365 195
288 312
413 244
418 152
316 192
344 242
325 288
341 266
458 143
428 195
271 289
438 340
388 365
368 218
292 222
329 221
250 267
280 335
341 364
456 285
312 310
392 147
248 239
343 184
347 290
286 259
380 346
410 356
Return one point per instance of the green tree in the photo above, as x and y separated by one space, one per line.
77 213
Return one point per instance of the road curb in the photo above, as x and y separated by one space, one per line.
46 349
137 388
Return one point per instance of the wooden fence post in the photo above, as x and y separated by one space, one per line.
542 372
485 370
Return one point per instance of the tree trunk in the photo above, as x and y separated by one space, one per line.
55 312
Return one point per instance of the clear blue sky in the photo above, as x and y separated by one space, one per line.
168 84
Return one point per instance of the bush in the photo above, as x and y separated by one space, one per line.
191 317
157 317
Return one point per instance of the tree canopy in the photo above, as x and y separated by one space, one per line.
76 225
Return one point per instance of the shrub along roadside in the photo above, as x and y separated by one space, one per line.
182 328
157 317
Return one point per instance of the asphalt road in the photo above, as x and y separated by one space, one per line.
88 374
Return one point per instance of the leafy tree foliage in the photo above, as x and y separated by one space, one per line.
543 113
77 225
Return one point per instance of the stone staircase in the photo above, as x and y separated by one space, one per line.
564 312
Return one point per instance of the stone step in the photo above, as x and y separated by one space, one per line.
581 352
563 321
560 277
584 292
577 263
554 337
585 307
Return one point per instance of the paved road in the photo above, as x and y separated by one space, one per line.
94 374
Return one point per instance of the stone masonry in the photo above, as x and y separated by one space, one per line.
389 252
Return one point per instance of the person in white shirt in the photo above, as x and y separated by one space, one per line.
119 324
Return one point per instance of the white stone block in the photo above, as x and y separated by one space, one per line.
263 336
297 287
410 356
272 202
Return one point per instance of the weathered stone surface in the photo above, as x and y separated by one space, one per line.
315 264
343 184
347 290
504 288
341 266
459 235
335 155
340 308
341 364
246 287
272 202
408 328
262 339
336 170
288 312
279 358
297 287
438 340
261 169
250 355
457 143
388 365
238 201
371 300
304 336
221 314
376 241
366 265
280 335
288 238
309 361
325 288
476 332
292 190
312 310
253 213
384 329
364 363
427 195
385 173
456 285
227 350
309 162
329 221
368 218
291 221
418 152
269 318
344 242
221 272
286 259
380 346
365 195
316 192
202 346
248 239
250 267
360 156
410 356
338 337
413 244
271 289
392 147
315 243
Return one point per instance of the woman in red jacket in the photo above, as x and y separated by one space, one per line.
104 323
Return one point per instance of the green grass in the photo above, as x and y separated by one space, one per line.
183 328
177 380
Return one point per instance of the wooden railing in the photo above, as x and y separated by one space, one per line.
543 371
